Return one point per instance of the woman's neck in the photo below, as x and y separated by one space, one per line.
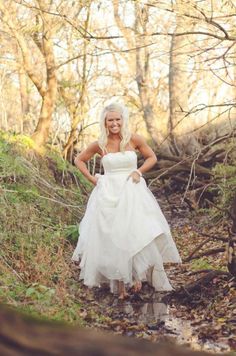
114 137
113 142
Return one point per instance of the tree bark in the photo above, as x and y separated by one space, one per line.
178 89
24 99
42 130
142 74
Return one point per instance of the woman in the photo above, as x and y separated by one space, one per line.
124 237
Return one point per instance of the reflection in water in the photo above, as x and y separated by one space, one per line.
157 315
146 312
153 312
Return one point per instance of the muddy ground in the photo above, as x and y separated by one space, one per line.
203 319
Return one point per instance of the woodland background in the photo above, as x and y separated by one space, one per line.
173 64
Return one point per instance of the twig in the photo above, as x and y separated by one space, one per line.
224 239
167 170
190 176
42 197
221 209
192 273
197 249
196 285
212 251
11 268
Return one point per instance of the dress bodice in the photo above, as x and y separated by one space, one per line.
119 162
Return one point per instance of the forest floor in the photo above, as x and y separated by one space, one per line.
42 199
202 320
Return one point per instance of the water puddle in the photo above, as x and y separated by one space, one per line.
159 320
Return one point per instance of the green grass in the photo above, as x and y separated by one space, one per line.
41 202
201 263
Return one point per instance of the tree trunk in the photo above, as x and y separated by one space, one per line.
24 100
142 74
69 146
42 130
139 60
178 84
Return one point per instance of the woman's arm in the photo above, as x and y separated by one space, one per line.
150 158
82 158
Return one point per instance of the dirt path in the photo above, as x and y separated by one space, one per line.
204 320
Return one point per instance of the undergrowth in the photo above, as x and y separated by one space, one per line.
224 189
41 202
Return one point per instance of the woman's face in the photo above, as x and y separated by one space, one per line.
113 122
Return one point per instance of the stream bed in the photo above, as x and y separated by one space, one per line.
159 320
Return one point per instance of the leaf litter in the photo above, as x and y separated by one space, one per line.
204 319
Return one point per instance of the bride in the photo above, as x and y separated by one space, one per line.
124 237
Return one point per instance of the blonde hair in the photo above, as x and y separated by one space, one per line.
125 131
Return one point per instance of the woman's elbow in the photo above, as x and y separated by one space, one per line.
77 162
154 157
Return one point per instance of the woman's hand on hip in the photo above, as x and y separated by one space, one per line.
135 176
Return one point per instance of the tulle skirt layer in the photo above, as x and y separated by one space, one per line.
124 236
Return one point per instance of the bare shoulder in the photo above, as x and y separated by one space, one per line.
141 145
89 152
138 140
93 148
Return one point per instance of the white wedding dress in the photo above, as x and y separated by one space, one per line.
124 236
